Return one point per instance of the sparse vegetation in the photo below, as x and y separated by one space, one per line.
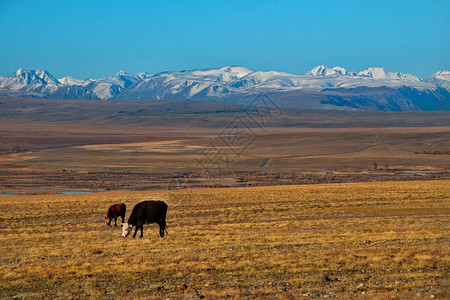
436 152
368 239
67 144
323 240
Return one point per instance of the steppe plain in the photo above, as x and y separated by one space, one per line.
262 203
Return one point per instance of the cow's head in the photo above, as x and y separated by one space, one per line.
108 221
126 229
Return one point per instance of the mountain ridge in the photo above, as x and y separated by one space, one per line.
233 83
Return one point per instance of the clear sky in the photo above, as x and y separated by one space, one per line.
98 38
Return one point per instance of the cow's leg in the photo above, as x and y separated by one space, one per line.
142 232
135 231
162 227
115 222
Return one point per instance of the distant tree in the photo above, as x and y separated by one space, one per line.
375 166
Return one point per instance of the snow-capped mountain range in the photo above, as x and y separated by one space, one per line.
321 87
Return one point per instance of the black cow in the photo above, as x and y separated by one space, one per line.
146 212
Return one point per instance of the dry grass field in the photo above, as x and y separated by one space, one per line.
284 149
116 145
276 156
373 240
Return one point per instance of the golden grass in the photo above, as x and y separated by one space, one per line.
368 239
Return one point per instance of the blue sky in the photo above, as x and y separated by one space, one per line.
98 38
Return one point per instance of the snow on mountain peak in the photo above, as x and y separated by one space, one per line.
46 76
143 75
69 80
227 73
319 71
442 75
377 73
34 74
122 72
237 70
326 71
383 73
24 77
218 82
342 71
442 79
24 73
19 72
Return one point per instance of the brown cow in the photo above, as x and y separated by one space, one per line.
115 211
